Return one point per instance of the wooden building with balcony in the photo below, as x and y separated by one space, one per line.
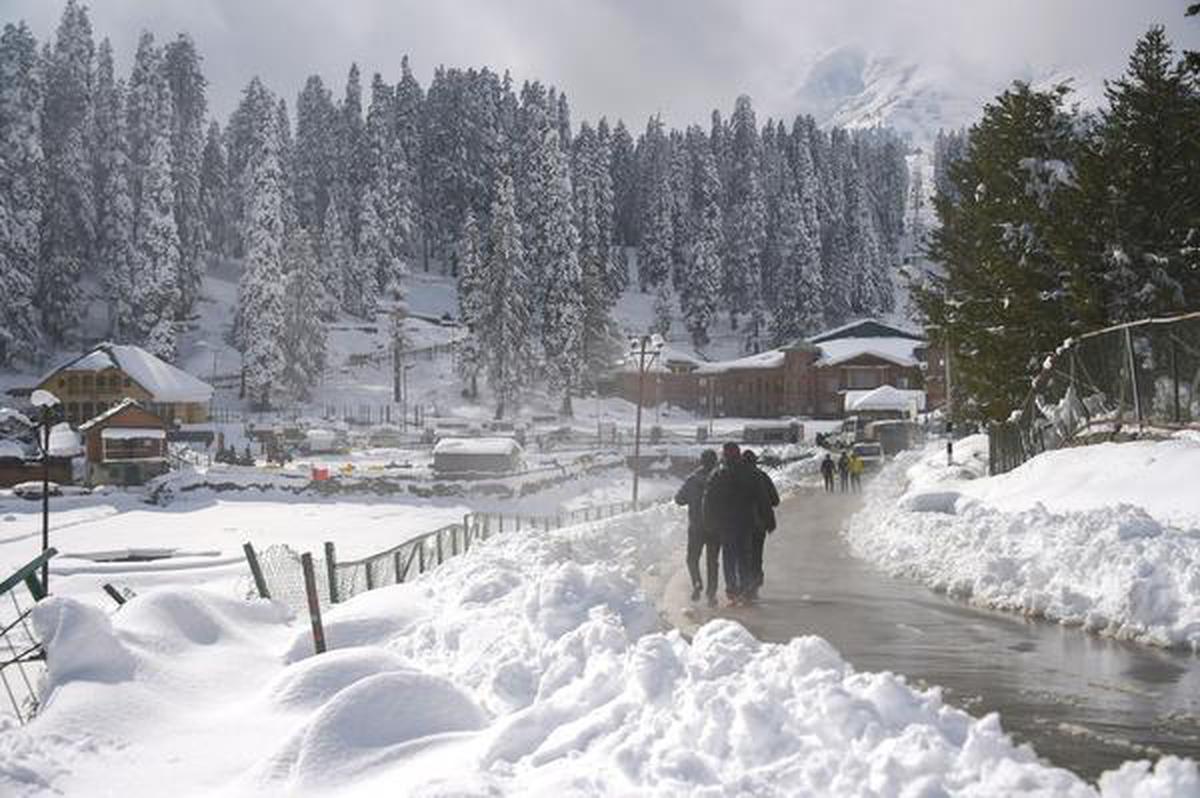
108 374
125 445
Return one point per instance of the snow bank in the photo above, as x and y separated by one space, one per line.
532 665
1107 537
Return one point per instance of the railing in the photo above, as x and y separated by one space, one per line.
21 653
1135 379
277 571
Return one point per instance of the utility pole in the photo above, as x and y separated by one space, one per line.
643 351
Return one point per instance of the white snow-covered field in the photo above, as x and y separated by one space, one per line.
1105 536
533 665
204 533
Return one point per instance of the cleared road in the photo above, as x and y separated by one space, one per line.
1085 703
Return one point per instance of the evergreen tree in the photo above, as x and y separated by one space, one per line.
181 64
702 289
156 245
260 322
409 109
747 221
1000 299
798 311
505 327
303 335
591 181
1142 171
623 170
114 205
662 310
870 285
22 175
214 195
336 264
471 310
316 156
351 156
68 219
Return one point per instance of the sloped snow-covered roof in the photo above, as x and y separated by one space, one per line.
771 359
477 446
884 398
107 414
7 414
132 433
901 351
865 328
164 382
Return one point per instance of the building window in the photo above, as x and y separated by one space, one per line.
862 378
72 383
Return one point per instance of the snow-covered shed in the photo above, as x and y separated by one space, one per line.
109 373
886 401
476 456
125 445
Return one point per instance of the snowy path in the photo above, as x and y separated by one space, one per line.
1084 702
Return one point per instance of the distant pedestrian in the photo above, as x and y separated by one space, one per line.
827 469
730 502
856 466
843 465
691 495
766 500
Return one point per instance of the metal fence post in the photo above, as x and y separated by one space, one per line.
420 556
467 532
314 602
439 547
1175 381
260 582
369 575
331 571
396 567
1137 394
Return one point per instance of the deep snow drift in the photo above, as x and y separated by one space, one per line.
1105 536
534 664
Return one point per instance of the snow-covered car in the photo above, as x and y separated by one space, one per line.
870 453
33 490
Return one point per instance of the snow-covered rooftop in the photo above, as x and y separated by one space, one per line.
11 450
476 446
901 351
164 382
885 397
771 359
132 433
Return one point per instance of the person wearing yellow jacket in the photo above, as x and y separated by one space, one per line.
857 466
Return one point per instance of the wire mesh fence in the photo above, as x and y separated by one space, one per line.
278 573
1134 379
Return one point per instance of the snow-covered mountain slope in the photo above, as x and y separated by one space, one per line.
850 87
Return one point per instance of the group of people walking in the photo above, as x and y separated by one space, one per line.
731 510
849 469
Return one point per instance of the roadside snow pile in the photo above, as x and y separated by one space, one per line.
532 665
1106 536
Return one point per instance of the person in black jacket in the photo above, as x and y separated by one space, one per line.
827 469
691 495
766 500
730 511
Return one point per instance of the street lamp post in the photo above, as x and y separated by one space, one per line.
643 351
45 402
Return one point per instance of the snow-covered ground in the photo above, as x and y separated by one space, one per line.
1105 536
533 665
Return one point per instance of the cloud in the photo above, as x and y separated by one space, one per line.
627 58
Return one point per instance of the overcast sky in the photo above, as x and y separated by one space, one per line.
626 58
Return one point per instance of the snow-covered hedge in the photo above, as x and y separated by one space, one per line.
533 665
1105 536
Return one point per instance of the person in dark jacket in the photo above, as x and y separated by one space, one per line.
844 472
730 510
766 500
827 469
691 495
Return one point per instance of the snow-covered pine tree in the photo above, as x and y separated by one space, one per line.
114 205
471 293
562 327
337 264
623 169
656 234
798 308
351 172
616 277
1142 173
408 114
589 170
315 163
505 327
746 218
260 326
870 288
372 262
156 249
68 218
681 209
303 333
21 185
662 310
214 195
702 290
186 82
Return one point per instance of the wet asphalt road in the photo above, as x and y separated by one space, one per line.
1085 703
